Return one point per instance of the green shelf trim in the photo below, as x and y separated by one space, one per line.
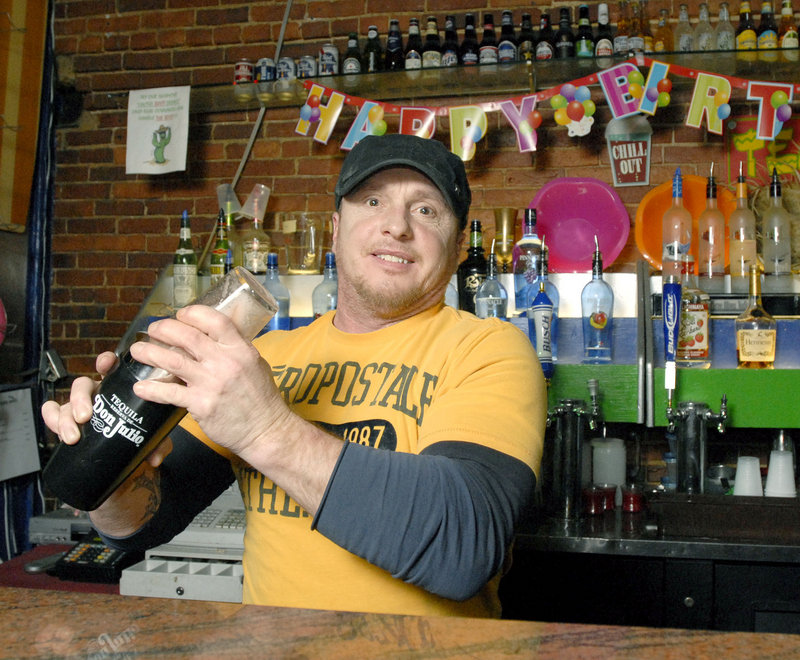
617 384
765 398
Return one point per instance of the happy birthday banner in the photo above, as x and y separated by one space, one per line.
626 90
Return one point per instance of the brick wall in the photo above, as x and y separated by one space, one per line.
113 233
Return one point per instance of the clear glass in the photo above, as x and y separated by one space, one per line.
527 262
597 310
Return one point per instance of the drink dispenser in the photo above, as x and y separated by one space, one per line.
564 463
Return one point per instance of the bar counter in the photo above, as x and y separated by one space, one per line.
46 624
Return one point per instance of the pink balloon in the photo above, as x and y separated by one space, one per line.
784 112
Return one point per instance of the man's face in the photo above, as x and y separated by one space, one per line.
397 244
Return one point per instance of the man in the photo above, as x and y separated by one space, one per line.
442 415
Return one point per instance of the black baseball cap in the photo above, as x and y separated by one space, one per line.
374 153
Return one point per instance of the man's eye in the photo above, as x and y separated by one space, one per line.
426 210
372 202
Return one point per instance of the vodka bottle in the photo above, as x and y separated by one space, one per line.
741 239
597 310
527 262
540 329
694 333
272 282
325 295
491 300
683 35
676 231
507 48
724 33
552 292
776 244
472 271
756 330
711 249
184 267
703 36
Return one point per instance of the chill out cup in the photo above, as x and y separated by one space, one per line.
780 475
123 428
748 476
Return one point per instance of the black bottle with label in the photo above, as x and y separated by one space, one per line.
472 271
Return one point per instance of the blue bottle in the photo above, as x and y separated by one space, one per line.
272 281
597 307
527 262
540 329
552 292
325 295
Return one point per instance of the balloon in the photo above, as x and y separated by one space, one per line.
525 128
557 102
724 111
784 112
651 94
568 91
535 119
635 90
582 94
313 101
305 112
575 110
664 85
378 127
589 107
475 133
636 78
375 113
663 99
561 117
720 99
315 115
466 143
778 99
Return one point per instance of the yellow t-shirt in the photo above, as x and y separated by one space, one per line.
442 375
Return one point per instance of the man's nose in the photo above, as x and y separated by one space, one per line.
397 221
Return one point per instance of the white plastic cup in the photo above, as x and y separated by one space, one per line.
748 476
256 203
608 461
780 476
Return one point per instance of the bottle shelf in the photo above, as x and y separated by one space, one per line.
490 80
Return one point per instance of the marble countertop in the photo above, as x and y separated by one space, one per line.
45 624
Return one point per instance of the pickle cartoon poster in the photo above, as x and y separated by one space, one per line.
158 130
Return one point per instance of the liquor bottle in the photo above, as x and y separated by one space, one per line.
552 292
604 43
540 329
787 35
373 51
546 46
597 310
647 35
767 34
694 331
468 53
711 247
184 267
676 232
124 429
413 53
487 51
472 271
450 45
491 299
584 38
742 238
527 40
565 39
272 282
507 46
234 239
683 35
776 243
219 252
256 245
527 262
746 38
636 35
703 35
432 49
756 330
623 30
662 38
724 33
324 297
352 56
395 57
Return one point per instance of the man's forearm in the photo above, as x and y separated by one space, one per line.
131 506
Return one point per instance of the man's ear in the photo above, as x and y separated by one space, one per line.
335 229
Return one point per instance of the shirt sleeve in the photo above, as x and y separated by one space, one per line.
442 520
191 477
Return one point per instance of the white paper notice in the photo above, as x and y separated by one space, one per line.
18 451
158 130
